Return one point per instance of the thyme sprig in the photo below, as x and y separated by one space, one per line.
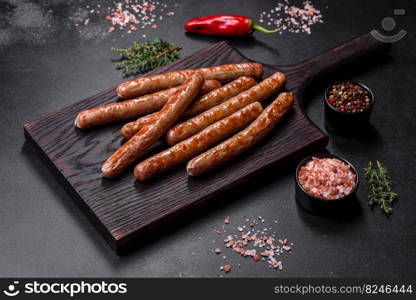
145 56
380 191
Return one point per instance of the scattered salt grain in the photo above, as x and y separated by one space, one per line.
259 244
227 268
127 14
290 18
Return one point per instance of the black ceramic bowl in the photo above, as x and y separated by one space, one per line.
347 121
320 205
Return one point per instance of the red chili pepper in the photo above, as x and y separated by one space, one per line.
224 25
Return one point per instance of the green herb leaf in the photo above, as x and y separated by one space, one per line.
143 57
380 191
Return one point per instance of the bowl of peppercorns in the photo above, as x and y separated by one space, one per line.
348 105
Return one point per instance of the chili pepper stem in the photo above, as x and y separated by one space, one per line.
259 28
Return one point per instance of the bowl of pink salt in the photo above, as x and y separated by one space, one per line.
325 181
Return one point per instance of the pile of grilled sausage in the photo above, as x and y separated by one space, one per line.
204 122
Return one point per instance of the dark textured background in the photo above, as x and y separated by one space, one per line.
46 64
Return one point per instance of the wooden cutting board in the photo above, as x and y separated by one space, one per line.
124 210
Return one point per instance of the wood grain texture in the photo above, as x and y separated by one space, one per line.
123 209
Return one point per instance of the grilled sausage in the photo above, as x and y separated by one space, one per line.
223 73
243 140
218 96
128 109
205 102
130 129
151 132
259 92
197 143
208 86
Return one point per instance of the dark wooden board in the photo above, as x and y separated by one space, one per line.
124 209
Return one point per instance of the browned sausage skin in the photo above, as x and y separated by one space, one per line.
118 111
227 73
208 86
223 73
197 143
128 109
149 84
205 102
218 96
259 92
129 129
243 140
152 131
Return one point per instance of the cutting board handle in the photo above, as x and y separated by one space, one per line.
355 50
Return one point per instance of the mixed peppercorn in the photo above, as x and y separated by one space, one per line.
349 97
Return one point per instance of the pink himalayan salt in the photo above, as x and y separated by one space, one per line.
327 178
